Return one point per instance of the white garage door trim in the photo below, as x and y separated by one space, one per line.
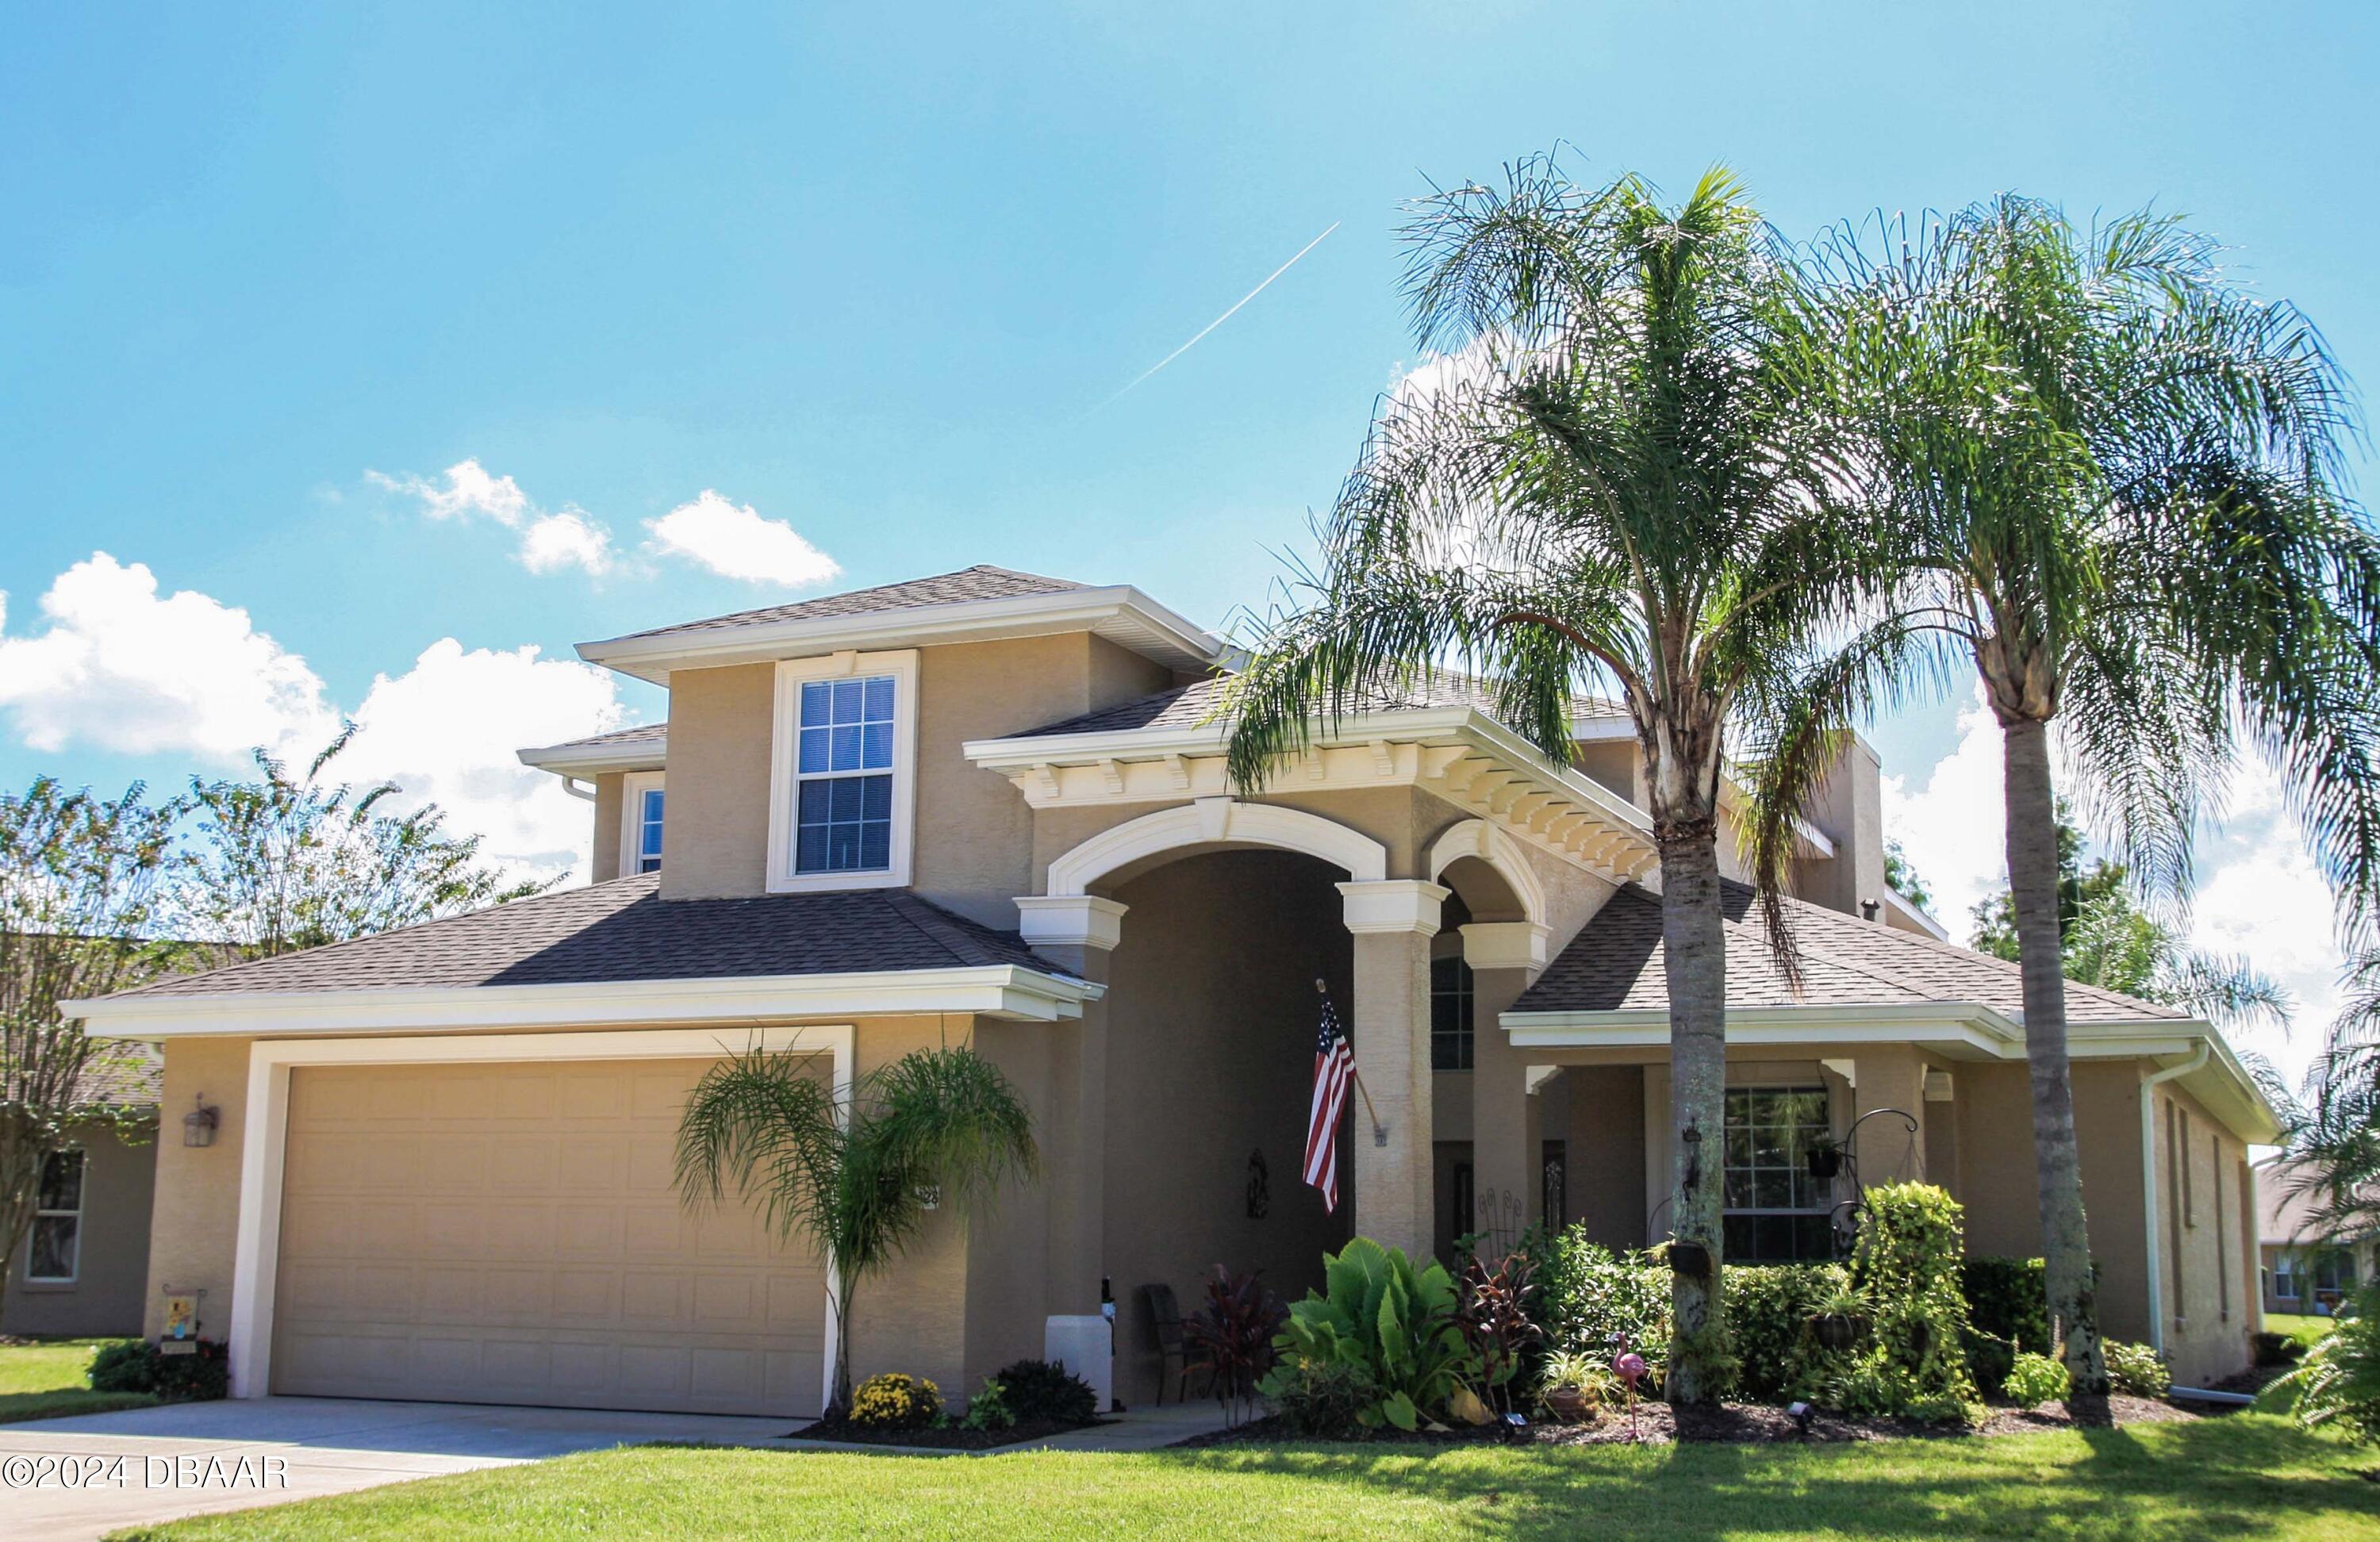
256 1257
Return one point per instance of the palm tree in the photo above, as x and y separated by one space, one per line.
857 1178
1609 490
2107 477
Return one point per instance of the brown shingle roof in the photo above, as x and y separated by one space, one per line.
624 930
619 738
1186 706
1615 964
122 1074
983 582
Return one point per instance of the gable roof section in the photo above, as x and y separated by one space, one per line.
980 603
980 582
1188 706
1615 963
623 931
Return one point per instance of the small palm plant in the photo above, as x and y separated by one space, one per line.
2338 1381
855 1177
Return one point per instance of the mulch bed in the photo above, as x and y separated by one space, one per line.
951 1438
1734 1424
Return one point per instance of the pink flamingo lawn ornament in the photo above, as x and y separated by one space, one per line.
1631 1368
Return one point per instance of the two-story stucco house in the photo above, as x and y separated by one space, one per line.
989 808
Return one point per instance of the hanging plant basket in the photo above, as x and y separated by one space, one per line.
1826 1161
1691 1259
1836 1330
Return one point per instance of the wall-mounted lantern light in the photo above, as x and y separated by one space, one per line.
198 1124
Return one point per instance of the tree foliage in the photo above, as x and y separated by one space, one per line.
286 862
855 1177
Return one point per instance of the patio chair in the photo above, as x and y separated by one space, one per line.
1172 1349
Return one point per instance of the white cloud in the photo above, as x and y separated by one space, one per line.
121 668
736 541
568 537
2258 892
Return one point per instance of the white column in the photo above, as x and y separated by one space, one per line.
1393 920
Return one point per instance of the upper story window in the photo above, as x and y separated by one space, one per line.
641 807
55 1249
1449 1014
846 765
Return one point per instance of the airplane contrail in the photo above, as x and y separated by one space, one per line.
1226 315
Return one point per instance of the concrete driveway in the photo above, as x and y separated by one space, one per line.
83 1478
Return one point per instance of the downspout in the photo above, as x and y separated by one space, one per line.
570 784
2149 1186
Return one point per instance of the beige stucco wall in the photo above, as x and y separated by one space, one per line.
610 789
716 839
112 1268
1849 809
1210 1057
2209 1285
1602 1128
196 1217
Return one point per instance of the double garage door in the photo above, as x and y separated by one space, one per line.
510 1233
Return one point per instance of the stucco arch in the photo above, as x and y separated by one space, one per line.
1218 821
1497 848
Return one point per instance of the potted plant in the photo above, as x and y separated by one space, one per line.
1825 1158
1838 1321
1572 1387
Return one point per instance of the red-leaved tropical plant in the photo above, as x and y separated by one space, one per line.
1493 1316
1230 1337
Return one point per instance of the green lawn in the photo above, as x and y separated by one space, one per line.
2244 1476
2307 1330
45 1381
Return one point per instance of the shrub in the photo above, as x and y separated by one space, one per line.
1037 1391
128 1366
1594 1297
988 1410
1231 1336
137 1366
2276 1349
2338 1380
1769 1308
895 1401
2035 1379
1324 1399
1905 1267
1387 1320
2136 1370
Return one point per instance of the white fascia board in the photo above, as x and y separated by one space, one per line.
1974 1031
1900 905
2222 1083
1120 609
591 759
998 990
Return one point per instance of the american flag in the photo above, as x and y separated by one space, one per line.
1334 1067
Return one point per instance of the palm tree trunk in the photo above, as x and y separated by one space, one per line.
1694 946
838 1295
2032 810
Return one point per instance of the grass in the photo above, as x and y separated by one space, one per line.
45 1381
2306 1330
2244 1476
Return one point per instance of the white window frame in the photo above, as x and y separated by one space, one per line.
81 1209
633 788
784 781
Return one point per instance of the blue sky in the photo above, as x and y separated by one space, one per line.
876 274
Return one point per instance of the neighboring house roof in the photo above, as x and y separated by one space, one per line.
121 1073
1615 964
981 582
2284 1213
1188 706
623 930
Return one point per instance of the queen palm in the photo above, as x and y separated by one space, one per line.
855 1177
2106 478
1605 489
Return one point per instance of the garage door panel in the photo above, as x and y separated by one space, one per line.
512 1234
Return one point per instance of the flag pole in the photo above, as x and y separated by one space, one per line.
1379 1131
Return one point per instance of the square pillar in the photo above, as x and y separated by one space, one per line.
1891 1076
1392 921
1076 932
1506 1145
